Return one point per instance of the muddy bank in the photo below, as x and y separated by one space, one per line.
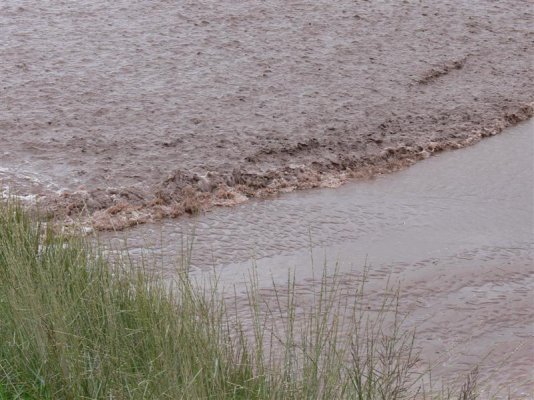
130 112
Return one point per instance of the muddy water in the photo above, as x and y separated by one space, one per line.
131 103
456 230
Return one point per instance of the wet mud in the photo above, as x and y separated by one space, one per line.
126 112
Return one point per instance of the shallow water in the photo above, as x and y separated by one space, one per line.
456 230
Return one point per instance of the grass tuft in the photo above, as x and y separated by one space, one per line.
74 326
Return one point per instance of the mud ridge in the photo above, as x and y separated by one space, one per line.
440 71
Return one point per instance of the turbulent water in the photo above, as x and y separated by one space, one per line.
456 230
149 109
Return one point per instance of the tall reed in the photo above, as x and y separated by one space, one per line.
75 326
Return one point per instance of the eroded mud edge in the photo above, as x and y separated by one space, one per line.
185 193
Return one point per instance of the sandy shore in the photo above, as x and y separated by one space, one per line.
130 112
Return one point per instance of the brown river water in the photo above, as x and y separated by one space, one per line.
456 230
136 111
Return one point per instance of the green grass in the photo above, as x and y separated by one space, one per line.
75 327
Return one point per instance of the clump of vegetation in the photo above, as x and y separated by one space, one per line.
74 326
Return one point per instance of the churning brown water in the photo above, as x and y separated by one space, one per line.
456 230
134 111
